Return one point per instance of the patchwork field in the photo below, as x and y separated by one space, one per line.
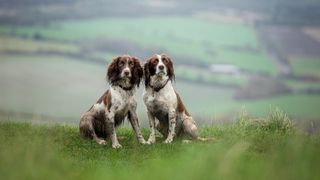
40 85
178 36
58 70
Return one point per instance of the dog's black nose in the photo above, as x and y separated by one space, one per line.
126 73
161 67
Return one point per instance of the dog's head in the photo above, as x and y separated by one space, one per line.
125 71
158 65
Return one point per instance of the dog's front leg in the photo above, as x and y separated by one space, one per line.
133 118
110 128
172 126
152 123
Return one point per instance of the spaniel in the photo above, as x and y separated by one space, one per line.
165 109
117 103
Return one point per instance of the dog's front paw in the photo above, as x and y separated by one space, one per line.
151 140
102 142
168 141
116 146
142 141
186 141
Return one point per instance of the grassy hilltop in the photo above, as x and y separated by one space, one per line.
266 148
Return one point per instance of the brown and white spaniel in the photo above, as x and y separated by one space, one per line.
165 109
117 103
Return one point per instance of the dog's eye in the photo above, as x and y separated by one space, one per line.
121 63
156 61
164 60
130 63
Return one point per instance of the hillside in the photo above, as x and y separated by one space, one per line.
265 148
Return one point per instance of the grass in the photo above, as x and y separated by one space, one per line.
268 148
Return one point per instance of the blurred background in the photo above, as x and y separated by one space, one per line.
229 55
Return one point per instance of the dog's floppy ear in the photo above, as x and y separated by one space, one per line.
113 70
170 67
146 70
137 72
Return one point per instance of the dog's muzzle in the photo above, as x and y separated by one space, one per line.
126 73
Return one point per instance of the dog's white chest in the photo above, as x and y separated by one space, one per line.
156 103
121 99
162 100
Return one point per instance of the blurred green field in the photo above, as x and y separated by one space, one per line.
65 88
55 75
298 106
49 85
187 36
301 85
158 31
196 75
247 149
28 45
306 66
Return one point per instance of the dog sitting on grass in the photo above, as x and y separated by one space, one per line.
100 121
166 111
